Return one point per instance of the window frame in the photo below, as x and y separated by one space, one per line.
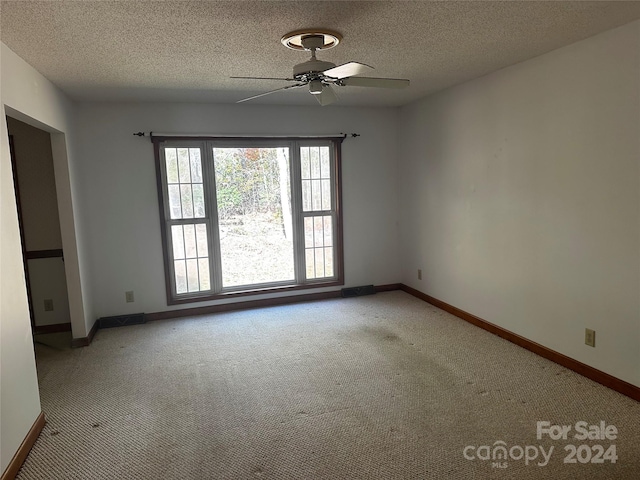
217 291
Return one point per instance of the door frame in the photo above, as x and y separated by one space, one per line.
16 189
34 254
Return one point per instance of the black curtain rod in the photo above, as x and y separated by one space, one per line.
169 135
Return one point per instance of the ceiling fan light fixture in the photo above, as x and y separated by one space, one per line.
326 39
321 76
315 87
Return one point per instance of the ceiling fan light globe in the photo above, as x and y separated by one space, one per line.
315 87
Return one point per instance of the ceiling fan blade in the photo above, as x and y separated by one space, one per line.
327 97
267 78
347 70
375 82
272 91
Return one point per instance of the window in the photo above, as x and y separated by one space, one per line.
243 216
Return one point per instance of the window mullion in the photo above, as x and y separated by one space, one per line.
168 222
297 214
336 229
215 266
187 221
171 261
165 185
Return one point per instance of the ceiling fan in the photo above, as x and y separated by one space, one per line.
318 75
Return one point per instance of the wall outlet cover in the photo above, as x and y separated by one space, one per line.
590 337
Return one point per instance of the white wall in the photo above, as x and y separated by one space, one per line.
120 200
28 96
47 282
520 199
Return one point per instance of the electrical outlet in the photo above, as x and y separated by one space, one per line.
590 337
129 296
419 274
48 305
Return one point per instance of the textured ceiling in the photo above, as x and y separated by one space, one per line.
187 50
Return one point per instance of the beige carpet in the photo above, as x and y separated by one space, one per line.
377 387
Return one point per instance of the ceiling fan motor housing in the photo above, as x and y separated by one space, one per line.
313 42
311 66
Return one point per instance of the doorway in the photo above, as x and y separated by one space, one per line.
39 222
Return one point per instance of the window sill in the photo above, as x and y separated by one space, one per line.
194 298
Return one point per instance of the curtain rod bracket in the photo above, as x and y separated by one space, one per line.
142 134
